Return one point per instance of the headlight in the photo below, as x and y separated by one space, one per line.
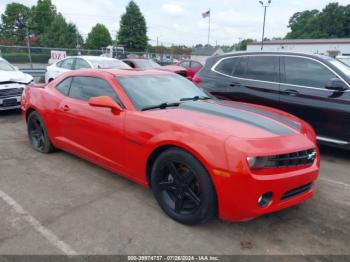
301 158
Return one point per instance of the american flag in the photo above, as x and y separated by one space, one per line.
206 14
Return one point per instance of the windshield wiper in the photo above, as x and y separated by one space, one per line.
195 98
161 106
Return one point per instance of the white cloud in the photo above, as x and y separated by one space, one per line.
180 21
173 9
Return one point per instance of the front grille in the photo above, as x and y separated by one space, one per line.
11 92
296 191
301 158
182 73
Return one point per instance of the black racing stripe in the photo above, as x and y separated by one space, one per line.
277 117
238 115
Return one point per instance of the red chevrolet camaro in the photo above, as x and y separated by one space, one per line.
200 156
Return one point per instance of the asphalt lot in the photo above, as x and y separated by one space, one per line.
60 204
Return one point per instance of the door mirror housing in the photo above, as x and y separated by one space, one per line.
105 101
336 84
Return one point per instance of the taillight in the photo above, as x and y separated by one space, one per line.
196 79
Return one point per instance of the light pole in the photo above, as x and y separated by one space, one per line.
265 6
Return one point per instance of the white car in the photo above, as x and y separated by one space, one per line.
12 83
81 62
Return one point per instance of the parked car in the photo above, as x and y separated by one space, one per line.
12 83
315 88
150 64
192 67
200 156
82 62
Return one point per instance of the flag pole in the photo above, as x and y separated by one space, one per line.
209 27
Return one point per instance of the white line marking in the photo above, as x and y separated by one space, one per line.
45 232
335 182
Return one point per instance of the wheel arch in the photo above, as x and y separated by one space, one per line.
29 111
157 151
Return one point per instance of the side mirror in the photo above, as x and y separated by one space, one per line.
336 84
105 101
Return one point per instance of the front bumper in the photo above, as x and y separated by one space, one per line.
10 103
239 195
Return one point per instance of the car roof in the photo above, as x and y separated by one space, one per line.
320 56
135 59
95 58
119 72
133 72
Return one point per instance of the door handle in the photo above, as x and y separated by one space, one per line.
65 108
233 84
291 92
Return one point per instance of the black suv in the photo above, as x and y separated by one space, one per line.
315 88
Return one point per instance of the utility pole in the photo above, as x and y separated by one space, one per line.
28 46
265 6
209 28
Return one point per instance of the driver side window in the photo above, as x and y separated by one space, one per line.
306 72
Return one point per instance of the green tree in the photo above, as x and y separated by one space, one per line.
98 37
43 13
14 22
242 46
60 34
332 22
133 30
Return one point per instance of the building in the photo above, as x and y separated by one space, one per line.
332 47
202 53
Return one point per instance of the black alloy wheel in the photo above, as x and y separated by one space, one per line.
183 187
37 134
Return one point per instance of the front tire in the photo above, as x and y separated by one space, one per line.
183 188
38 135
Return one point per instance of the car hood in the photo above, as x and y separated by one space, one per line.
15 77
172 68
225 119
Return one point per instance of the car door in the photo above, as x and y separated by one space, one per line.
93 132
304 94
253 79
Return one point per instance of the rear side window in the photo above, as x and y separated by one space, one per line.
84 88
263 68
227 66
129 63
185 64
64 86
241 67
67 64
81 64
306 72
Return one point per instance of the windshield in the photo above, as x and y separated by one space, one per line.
146 64
340 65
153 90
109 64
5 66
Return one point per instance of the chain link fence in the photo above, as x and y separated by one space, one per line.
39 57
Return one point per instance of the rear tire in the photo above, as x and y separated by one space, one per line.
183 187
37 134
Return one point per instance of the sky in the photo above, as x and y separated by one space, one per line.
180 21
